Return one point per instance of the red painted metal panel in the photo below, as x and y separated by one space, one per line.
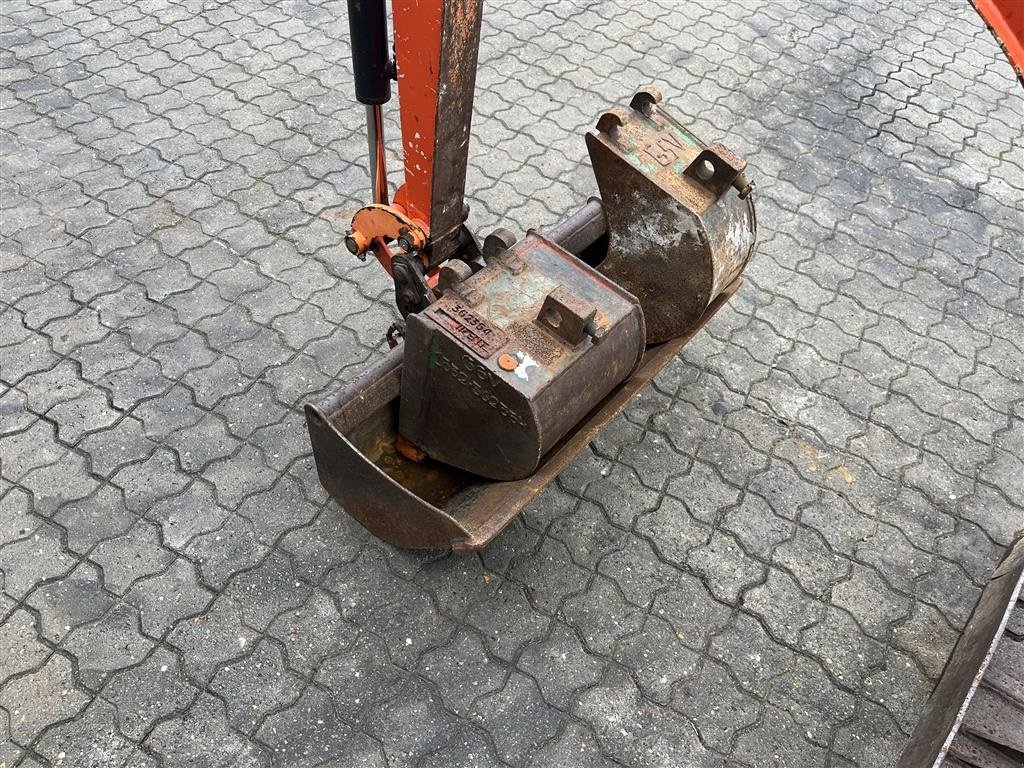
1006 19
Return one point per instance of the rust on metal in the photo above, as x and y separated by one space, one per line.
430 505
681 222
406 449
567 315
463 408
474 332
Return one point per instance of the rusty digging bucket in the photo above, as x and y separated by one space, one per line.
675 232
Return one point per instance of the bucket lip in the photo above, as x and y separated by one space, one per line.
394 513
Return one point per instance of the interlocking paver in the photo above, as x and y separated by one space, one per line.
148 692
42 698
23 649
765 560
255 686
67 603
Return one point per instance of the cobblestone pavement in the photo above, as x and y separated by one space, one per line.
764 563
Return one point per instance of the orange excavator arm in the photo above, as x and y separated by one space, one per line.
435 46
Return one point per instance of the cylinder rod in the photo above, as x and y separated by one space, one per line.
581 230
375 146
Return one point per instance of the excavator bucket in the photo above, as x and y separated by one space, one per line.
427 504
668 213
515 353
518 366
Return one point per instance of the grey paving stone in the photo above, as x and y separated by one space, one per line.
267 591
202 443
407 622
725 567
576 745
638 572
463 672
148 692
870 601
850 742
308 733
278 509
9 751
752 656
927 637
131 556
90 739
411 725
16 519
326 542
187 514
809 560
507 621
224 552
783 607
837 641
312 632
517 718
107 645
33 559
166 598
203 735
168 413
549 576
14 413
141 381
895 685
65 480
41 698
800 510
468 746
634 731
101 516
146 483
716 704
255 686
584 529
360 678
76 599
776 734
25 451
601 616
813 701
23 649
239 476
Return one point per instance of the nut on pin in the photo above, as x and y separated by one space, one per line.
357 244
405 240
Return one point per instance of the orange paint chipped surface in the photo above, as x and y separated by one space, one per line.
418 55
